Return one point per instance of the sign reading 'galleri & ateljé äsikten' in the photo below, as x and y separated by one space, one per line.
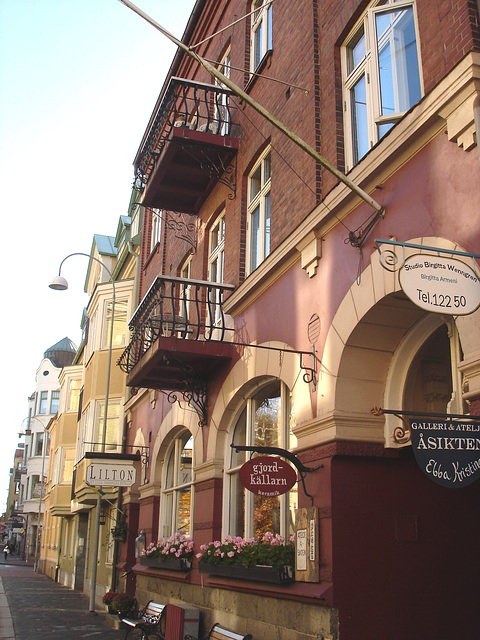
448 452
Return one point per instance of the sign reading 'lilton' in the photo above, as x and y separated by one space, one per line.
267 476
441 285
448 452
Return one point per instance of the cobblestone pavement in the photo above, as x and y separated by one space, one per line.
33 607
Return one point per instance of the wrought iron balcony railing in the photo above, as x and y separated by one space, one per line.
186 104
179 308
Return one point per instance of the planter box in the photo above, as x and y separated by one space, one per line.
257 573
172 564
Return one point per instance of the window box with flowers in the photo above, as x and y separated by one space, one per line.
174 553
267 559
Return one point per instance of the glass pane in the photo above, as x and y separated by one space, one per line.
183 516
268 417
398 60
257 46
356 50
384 128
267 169
267 225
185 463
360 121
255 183
167 525
266 515
237 507
254 238
239 438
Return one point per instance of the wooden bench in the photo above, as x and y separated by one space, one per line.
217 632
149 621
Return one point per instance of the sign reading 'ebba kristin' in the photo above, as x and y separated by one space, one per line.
441 285
267 476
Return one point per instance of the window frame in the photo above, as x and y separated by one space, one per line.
368 68
120 325
43 403
169 512
287 440
260 201
156 229
261 17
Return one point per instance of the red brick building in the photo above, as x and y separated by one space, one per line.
271 314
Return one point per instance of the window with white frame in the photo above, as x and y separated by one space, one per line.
112 426
222 114
83 434
177 487
54 400
381 74
267 419
42 405
38 450
258 222
67 464
156 228
185 289
216 261
73 397
119 334
261 31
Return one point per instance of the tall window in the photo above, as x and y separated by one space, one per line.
266 420
381 75
177 492
38 444
261 35
221 106
216 260
119 324
73 399
156 228
54 401
258 226
112 430
42 405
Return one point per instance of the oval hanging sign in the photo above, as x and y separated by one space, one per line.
447 451
440 285
267 476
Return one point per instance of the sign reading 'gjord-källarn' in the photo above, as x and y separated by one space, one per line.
448 452
441 285
267 476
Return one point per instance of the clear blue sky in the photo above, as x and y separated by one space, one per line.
78 82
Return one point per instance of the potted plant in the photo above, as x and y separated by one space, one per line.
175 552
119 531
107 600
266 559
122 604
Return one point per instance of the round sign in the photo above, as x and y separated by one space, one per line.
267 476
441 285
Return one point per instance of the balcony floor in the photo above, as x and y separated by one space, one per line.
169 363
188 168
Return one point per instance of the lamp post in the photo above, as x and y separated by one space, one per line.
29 418
60 284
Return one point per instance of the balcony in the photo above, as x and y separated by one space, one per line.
179 336
189 148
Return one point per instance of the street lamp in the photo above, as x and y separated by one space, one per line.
59 283
29 418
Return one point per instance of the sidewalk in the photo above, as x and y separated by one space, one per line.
32 607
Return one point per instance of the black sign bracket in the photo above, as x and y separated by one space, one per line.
284 453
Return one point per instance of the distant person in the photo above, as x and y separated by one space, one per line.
6 551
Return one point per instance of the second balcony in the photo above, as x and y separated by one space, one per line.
189 147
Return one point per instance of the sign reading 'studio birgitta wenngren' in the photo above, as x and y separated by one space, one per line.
448 452
439 284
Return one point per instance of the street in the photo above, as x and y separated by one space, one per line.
33 607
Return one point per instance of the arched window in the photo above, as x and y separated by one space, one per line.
266 420
177 487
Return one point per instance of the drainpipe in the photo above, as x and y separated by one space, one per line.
476 117
57 568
